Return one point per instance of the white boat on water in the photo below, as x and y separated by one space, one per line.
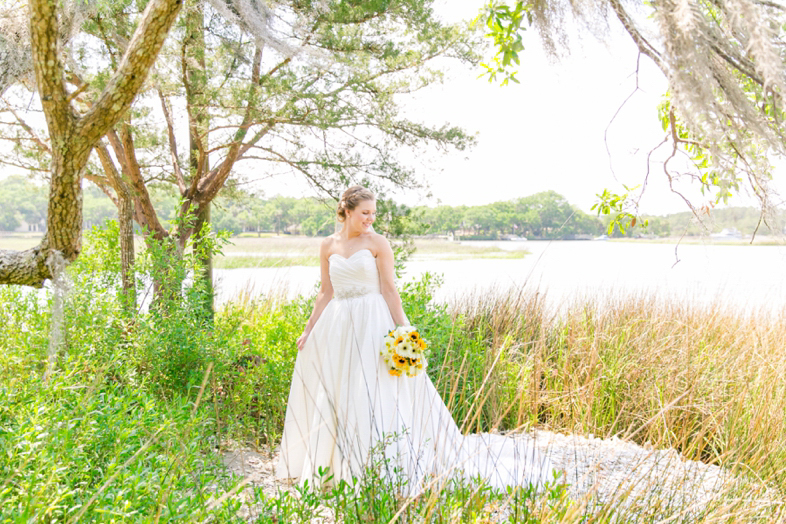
514 238
727 233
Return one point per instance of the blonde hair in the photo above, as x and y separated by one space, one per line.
350 200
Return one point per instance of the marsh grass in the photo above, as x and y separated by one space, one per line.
481 255
19 241
442 247
700 379
128 426
297 245
289 244
235 262
285 250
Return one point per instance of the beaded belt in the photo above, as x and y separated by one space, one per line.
352 292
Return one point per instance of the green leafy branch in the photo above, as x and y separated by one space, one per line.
504 25
612 203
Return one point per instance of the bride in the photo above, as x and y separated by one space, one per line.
345 407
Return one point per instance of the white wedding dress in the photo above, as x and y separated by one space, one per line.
343 404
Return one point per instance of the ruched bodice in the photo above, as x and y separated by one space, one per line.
355 276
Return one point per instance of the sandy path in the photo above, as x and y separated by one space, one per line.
597 470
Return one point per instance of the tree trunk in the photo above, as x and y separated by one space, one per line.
168 272
125 218
205 260
199 122
73 136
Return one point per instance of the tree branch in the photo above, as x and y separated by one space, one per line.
293 165
131 73
113 177
47 66
26 268
30 131
181 182
644 46
102 183
123 144
210 185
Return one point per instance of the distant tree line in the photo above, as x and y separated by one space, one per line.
543 215
746 220
546 215
23 205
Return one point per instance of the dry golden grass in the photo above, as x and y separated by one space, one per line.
289 244
705 381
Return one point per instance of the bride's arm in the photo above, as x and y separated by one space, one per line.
387 281
324 295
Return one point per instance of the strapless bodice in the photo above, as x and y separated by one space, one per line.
355 276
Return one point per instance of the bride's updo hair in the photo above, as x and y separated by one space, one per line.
351 198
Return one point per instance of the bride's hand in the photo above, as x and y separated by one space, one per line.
301 341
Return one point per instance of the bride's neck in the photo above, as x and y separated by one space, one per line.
347 233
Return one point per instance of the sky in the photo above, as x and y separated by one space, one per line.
550 131
553 131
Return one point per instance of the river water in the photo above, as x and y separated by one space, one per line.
743 277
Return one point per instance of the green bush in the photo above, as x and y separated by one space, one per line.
96 441
253 387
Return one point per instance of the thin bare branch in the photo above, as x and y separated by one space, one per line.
30 131
181 182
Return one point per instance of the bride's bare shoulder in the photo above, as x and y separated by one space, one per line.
380 243
327 245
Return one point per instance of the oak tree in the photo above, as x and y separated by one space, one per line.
72 133
294 89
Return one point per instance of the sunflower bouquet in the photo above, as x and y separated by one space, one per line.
404 352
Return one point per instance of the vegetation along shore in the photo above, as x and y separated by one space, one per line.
547 215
